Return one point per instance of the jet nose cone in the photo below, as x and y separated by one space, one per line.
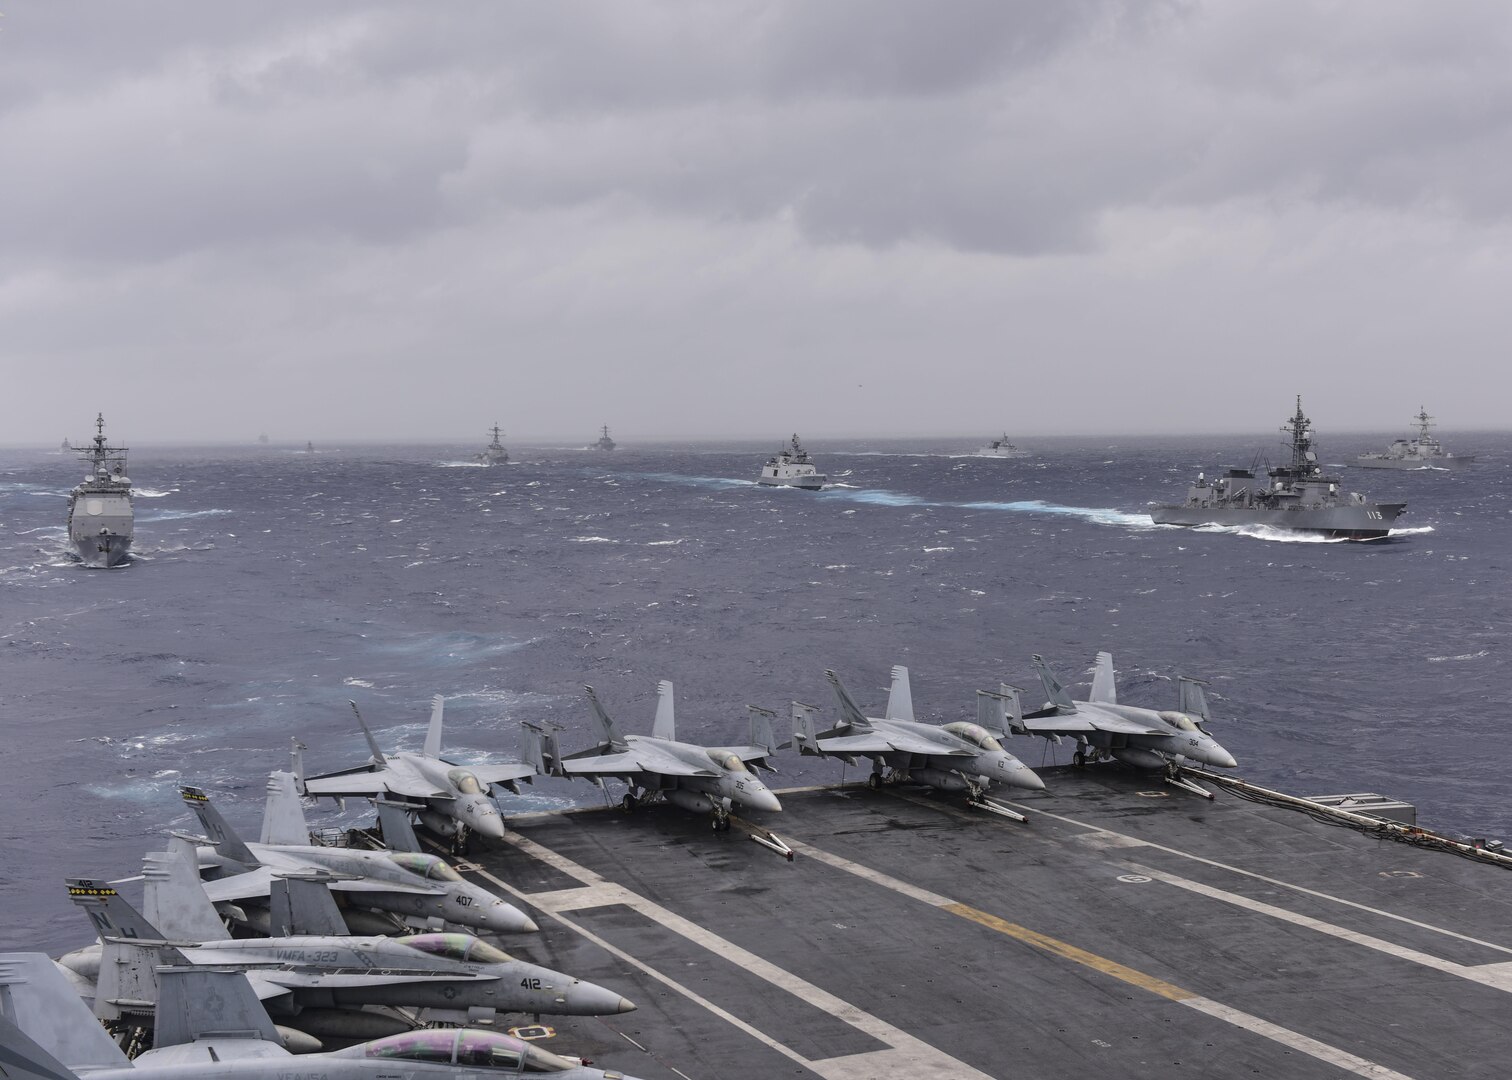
1223 759
507 919
590 999
491 826
763 800
1028 778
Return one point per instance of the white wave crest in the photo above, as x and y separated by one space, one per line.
1462 656
592 540
153 493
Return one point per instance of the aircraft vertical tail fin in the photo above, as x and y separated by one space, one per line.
109 911
761 728
900 697
173 899
665 725
394 822
609 735
538 749
226 842
1193 700
303 905
850 712
992 712
805 731
198 1003
1104 689
1055 693
46 1030
296 764
283 813
1014 708
378 758
433 733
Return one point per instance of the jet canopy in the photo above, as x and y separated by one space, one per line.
974 734
1180 720
461 1046
457 947
427 866
465 782
727 761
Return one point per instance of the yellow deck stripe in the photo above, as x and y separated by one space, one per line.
1071 952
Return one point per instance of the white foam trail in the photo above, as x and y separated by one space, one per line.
461 465
593 540
179 515
1462 656
153 493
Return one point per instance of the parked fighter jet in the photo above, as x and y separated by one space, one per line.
211 1027
960 756
452 799
329 969
407 883
704 779
1144 738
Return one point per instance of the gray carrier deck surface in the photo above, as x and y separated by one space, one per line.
1130 930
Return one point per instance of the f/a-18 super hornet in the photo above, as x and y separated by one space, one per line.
1144 738
324 970
704 779
961 757
452 800
405 883
211 1027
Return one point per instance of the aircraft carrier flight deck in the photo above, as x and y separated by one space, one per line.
1128 930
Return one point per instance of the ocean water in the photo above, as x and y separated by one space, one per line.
270 586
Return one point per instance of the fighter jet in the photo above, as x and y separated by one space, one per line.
704 779
321 970
1144 738
451 799
406 883
210 1025
960 757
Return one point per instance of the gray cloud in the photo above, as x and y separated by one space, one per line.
660 195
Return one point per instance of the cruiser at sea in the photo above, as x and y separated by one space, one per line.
605 442
1000 448
494 453
1299 496
1423 452
100 516
791 467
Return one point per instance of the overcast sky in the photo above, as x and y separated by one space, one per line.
843 217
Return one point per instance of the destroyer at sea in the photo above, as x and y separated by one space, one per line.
101 519
791 467
1300 496
494 453
1423 452
1000 448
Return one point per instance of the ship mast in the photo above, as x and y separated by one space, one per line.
1299 427
495 444
1424 422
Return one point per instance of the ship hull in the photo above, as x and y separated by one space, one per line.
1369 522
1449 461
103 550
802 483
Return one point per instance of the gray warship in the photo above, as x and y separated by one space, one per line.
1000 448
1423 452
494 453
1299 496
604 442
100 515
791 467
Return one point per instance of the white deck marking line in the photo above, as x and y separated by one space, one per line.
1132 976
1491 975
1343 1059
1268 880
908 1052
839 863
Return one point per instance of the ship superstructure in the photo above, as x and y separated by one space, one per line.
1000 448
1296 495
1422 452
791 467
101 519
604 442
494 453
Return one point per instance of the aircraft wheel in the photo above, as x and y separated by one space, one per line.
629 802
1079 758
874 781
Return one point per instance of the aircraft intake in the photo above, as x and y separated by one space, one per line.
939 778
690 800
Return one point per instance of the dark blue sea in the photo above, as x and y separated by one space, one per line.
270 586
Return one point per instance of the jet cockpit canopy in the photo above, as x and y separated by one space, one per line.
473 950
427 866
463 1046
464 781
974 734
